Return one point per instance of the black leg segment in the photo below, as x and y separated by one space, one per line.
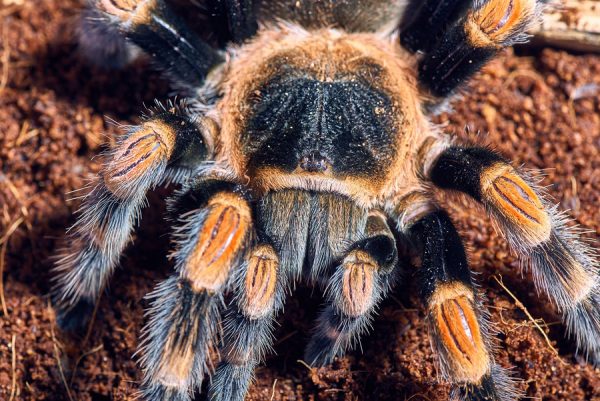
432 18
160 32
460 168
241 19
459 323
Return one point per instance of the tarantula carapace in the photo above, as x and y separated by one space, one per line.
304 151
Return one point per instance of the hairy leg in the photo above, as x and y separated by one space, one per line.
460 331
563 266
159 32
248 326
167 145
457 40
180 337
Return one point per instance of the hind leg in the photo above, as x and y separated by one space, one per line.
181 335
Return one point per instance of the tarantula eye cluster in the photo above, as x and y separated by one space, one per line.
305 152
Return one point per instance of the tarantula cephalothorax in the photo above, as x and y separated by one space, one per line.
305 151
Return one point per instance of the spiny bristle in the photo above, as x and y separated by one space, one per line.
232 382
181 322
498 385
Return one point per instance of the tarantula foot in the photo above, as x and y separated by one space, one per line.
230 382
333 335
495 386
75 318
583 322
317 353
102 44
159 392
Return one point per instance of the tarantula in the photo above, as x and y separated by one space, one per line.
305 151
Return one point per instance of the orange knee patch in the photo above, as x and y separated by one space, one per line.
459 333
497 20
220 242
143 150
516 201
260 282
357 283
137 11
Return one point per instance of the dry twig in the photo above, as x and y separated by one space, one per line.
273 390
15 192
306 365
5 59
59 363
574 24
4 243
520 305
13 388
2 300
81 357
13 227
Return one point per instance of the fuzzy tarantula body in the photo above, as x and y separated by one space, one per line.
305 152
323 111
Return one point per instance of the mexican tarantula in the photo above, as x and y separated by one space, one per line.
305 151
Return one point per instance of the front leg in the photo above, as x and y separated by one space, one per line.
155 28
459 323
167 145
181 337
353 292
248 326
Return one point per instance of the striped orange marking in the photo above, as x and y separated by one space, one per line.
497 20
459 332
517 201
142 151
261 280
357 283
126 10
224 231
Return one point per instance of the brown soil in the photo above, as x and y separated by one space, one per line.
536 109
